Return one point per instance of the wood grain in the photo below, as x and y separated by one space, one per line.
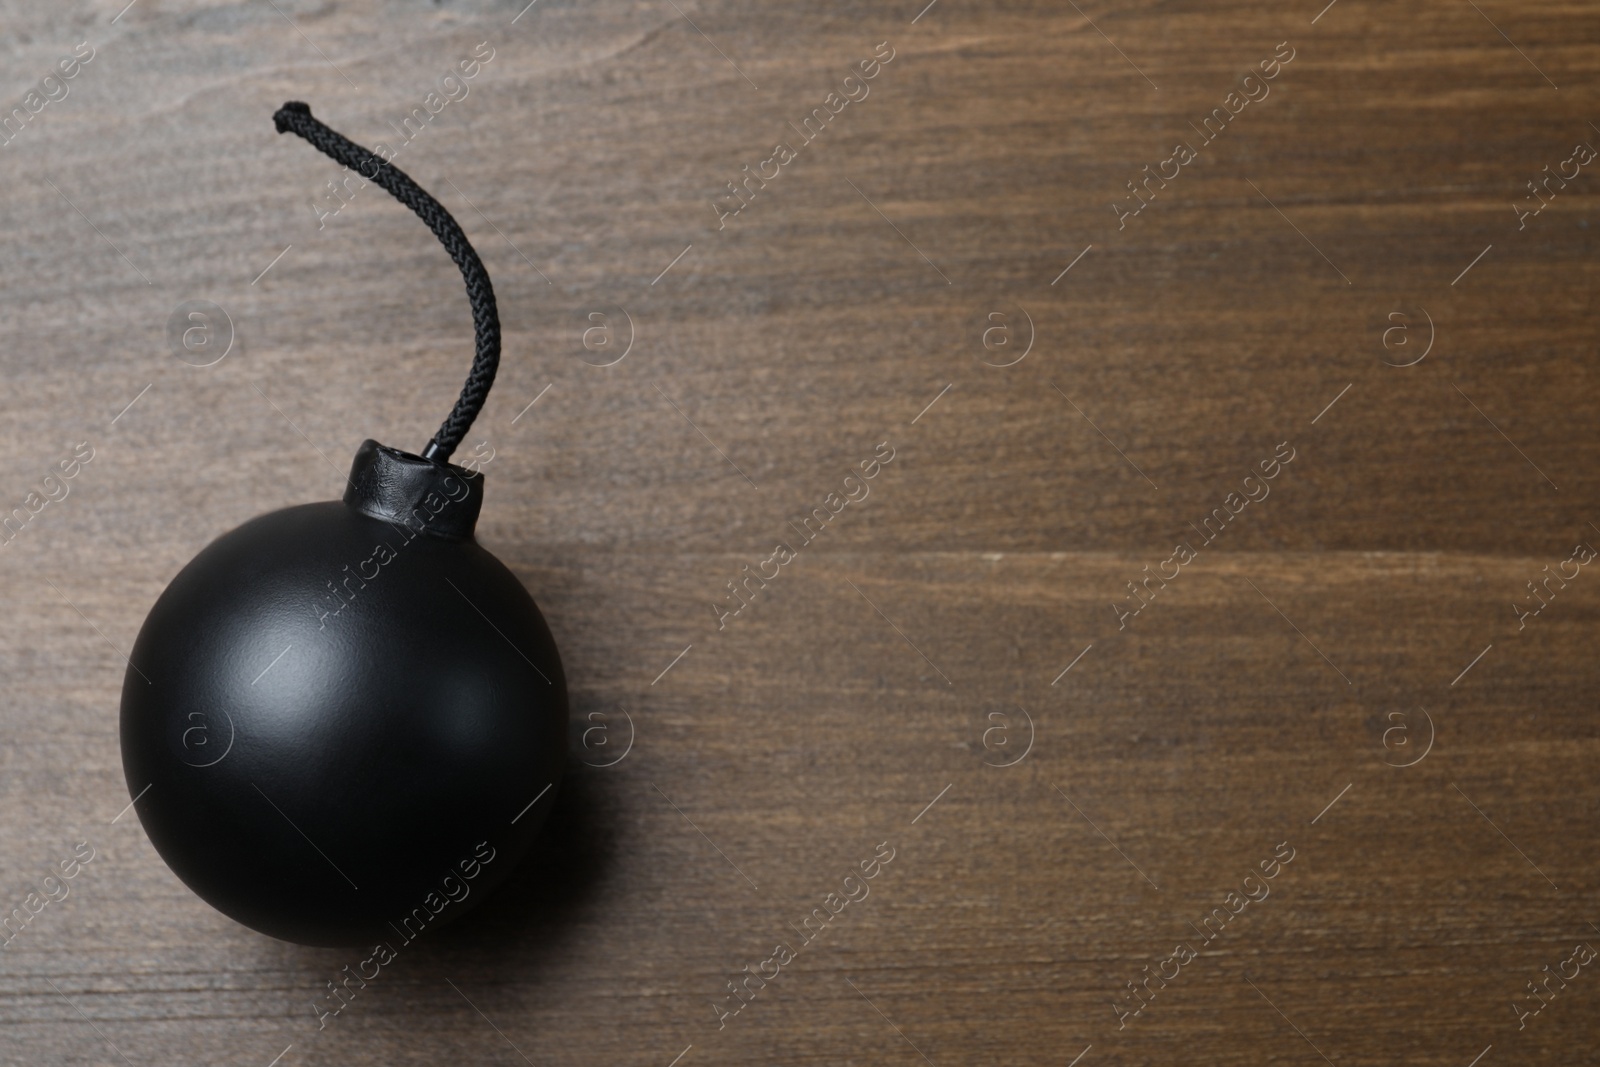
877 689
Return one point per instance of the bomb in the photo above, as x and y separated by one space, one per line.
333 703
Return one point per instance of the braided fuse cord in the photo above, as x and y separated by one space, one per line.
295 117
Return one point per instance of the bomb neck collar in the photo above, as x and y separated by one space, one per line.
425 496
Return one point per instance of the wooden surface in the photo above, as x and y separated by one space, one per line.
881 689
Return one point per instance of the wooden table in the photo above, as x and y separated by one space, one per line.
1341 276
